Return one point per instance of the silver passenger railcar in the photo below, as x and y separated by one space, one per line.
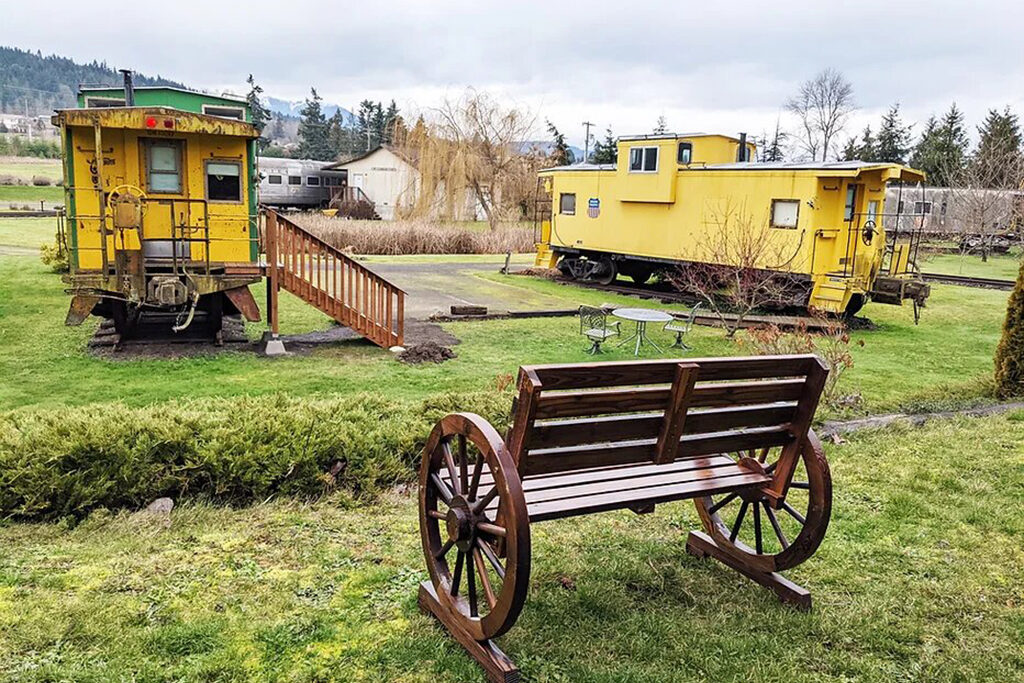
297 183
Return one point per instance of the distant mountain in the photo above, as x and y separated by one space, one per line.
546 147
29 81
292 109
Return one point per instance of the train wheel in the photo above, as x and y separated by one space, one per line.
607 272
565 267
125 316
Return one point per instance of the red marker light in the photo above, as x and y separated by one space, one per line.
168 123
151 122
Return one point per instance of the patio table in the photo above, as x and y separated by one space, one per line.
641 316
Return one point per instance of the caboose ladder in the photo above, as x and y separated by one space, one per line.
334 283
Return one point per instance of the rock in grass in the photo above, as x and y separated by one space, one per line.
160 506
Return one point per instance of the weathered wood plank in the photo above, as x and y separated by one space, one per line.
621 373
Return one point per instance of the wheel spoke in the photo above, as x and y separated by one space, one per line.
444 549
442 488
485 580
796 515
463 465
722 503
775 525
478 469
471 589
492 529
482 504
806 486
488 552
758 545
739 521
764 455
436 514
770 468
457 574
449 463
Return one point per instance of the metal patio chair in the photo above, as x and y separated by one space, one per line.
594 326
681 327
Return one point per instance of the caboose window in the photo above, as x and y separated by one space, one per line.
922 208
685 154
785 213
164 167
643 159
312 180
567 204
223 181
274 179
294 180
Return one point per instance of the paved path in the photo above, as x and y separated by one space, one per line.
435 287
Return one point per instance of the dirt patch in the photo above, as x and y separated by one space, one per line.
549 273
860 323
427 352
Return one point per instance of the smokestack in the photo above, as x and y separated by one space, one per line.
129 88
741 154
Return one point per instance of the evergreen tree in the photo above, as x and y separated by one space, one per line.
1010 352
865 150
277 129
999 148
893 142
942 150
260 114
394 125
773 149
661 127
605 151
313 137
369 120
561 155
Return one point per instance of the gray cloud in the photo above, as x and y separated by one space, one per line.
711 66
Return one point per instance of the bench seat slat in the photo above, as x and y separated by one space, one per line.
564 459
586 476
590 375
644 425
641 399
732 478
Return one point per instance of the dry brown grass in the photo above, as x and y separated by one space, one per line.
416 236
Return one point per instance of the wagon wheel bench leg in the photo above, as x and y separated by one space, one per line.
700 544
492 660
476 538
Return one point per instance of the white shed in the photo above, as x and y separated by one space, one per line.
386 177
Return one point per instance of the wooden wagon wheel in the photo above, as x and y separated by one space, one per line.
744 525
474 526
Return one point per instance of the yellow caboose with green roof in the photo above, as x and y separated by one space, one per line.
160 199
672 199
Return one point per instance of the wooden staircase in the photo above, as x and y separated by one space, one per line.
334 283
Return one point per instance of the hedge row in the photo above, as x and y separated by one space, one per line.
63 462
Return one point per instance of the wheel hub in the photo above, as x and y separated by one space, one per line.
461 524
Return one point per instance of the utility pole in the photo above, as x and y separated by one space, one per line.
586 141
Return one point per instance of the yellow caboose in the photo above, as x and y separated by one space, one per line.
161 206
673 200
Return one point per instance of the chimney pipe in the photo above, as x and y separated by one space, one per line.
741 154
129 88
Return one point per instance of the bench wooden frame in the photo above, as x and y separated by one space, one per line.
729 433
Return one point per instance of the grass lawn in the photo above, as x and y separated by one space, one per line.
27 232
26 167
999 266
47 364
918 580
29 194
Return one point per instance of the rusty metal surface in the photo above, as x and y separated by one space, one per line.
135 118
244 301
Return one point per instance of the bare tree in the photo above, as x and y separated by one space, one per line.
482 143
822 106
984 199
739 267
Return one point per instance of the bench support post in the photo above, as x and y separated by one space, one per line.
498 666
700 544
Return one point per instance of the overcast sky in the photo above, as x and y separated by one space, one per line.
705 66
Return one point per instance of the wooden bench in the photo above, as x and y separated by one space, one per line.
731 433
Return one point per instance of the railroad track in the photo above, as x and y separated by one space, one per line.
964 281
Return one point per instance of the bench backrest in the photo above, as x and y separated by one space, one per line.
582 415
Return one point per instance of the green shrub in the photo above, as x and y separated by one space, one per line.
68 461
1010 352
